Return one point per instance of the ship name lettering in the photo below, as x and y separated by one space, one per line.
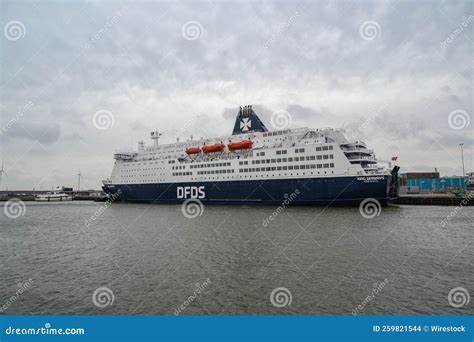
370 179
190 192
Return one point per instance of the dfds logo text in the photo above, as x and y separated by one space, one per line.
190 192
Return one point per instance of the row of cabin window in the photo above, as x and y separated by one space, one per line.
200 166
290 167
269 134
135 170
209 172
182 173
178 167
131 164
135 176
289 160
298 150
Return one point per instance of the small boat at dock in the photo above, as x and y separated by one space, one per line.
53 197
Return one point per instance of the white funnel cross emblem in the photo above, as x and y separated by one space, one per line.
245 124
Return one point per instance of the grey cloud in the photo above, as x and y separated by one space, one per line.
77 59
43 133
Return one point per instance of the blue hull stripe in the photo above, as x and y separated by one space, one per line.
303 191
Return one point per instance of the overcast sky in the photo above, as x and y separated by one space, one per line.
81 80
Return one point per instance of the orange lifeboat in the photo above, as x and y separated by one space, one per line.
213 148
240 145
193 150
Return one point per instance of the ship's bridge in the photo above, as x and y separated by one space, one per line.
125 156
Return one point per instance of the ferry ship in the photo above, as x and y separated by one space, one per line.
254 166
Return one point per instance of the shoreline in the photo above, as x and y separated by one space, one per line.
414 199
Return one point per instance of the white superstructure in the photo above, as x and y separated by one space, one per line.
290 153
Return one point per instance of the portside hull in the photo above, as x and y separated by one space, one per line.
302 191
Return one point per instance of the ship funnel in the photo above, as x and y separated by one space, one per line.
247 121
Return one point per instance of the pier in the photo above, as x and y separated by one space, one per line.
29 195
437 199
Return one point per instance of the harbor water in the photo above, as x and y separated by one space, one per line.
153 259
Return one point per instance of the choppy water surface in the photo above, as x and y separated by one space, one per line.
155 260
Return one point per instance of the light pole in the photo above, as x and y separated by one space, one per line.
463 171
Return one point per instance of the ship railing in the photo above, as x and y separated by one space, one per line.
125 155
354 143
357 149
371 158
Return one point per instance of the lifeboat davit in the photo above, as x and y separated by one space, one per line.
193 150
240 145
213 148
